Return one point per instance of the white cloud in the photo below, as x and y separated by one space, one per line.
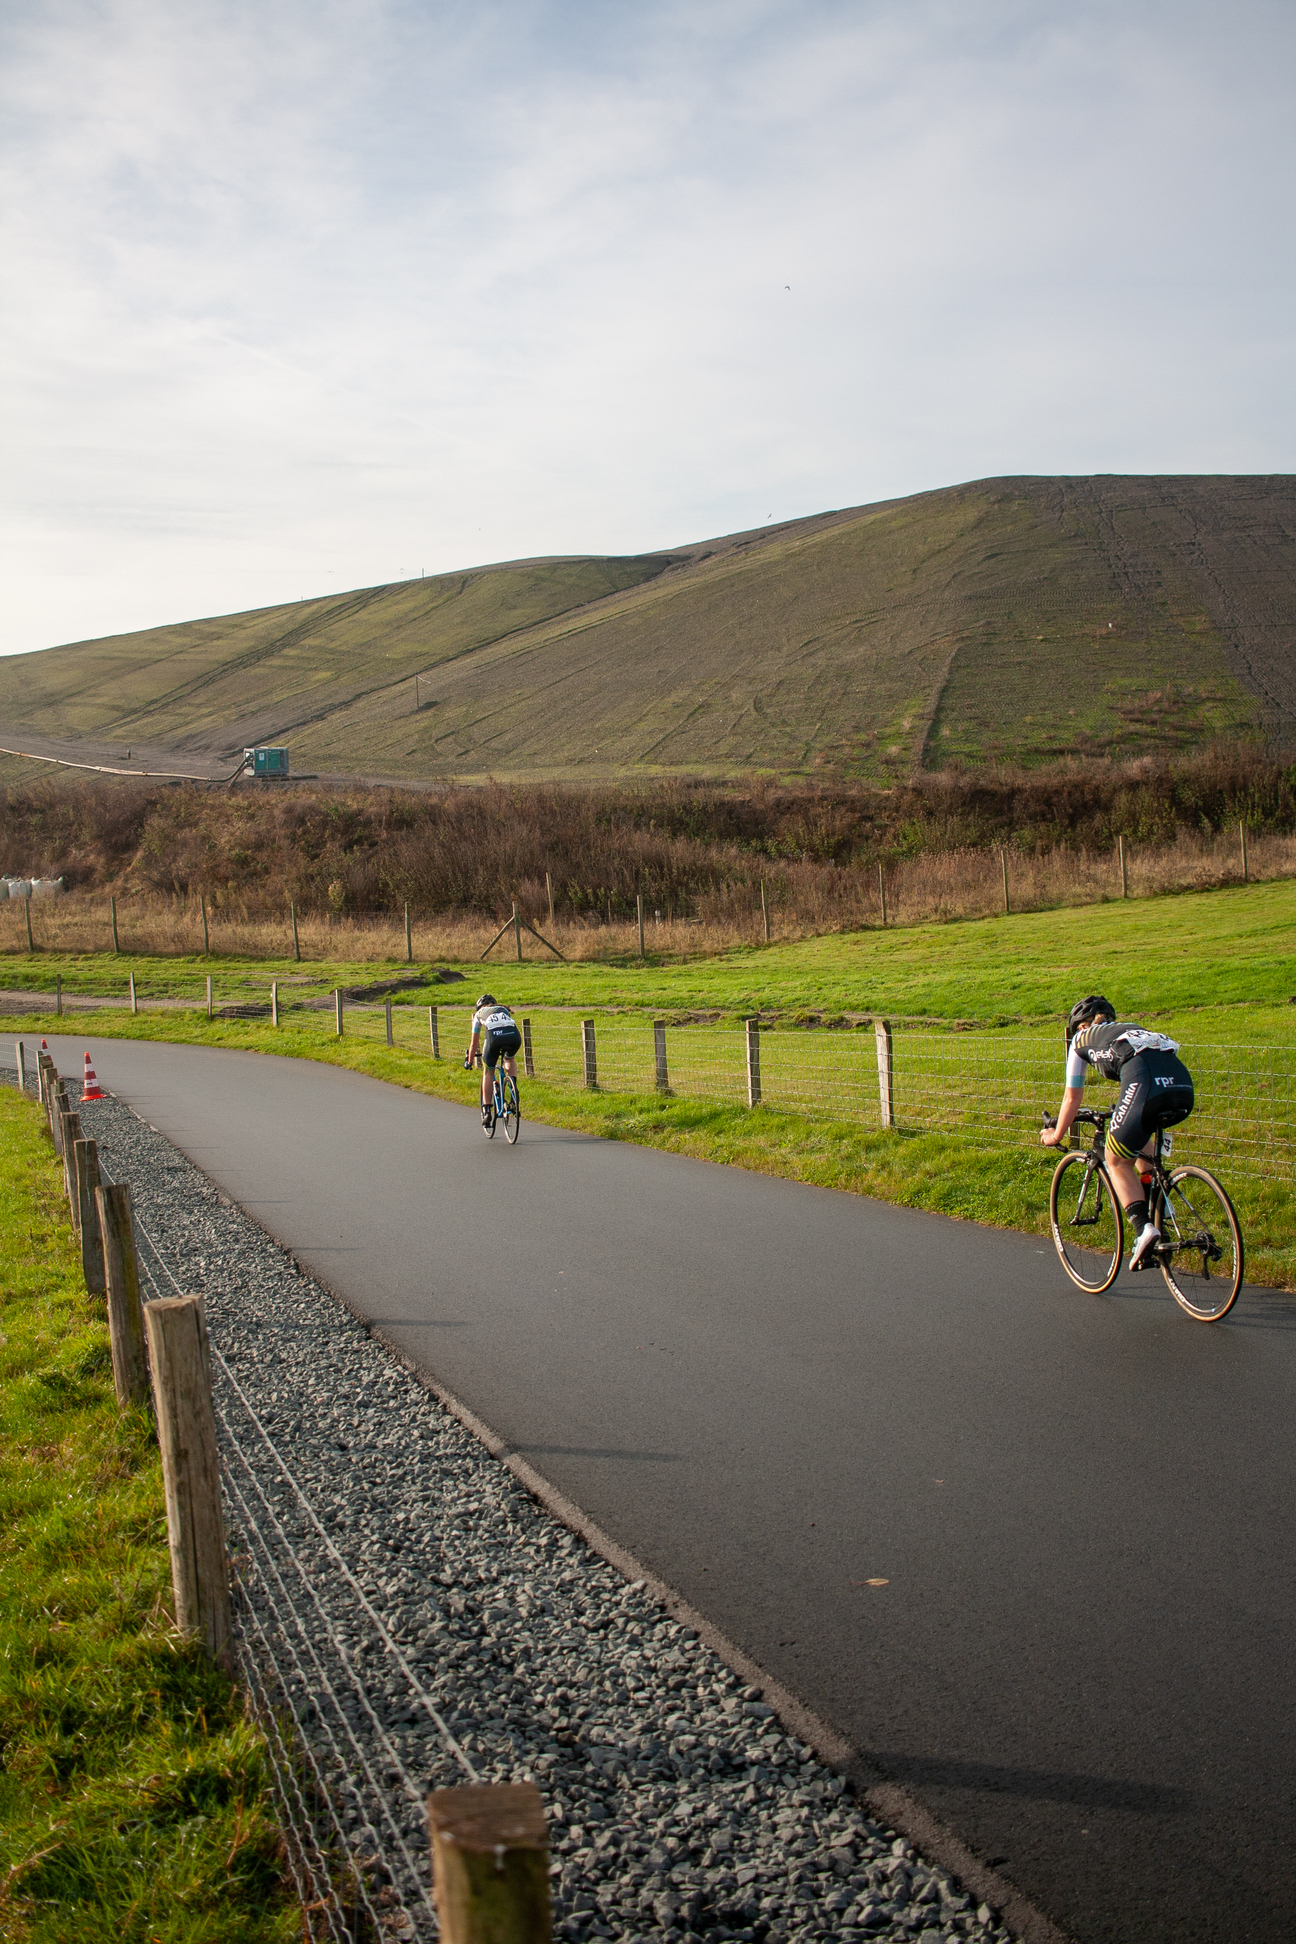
308 297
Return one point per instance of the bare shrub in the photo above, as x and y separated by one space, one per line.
696 853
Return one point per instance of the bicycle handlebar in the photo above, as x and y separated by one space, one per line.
1090 1115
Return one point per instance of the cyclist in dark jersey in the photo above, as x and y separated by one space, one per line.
1156 1091
495 1032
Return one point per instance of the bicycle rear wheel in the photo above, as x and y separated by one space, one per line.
1088 1229
1201 1245
512 1111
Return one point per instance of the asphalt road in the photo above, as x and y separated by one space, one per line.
772 1394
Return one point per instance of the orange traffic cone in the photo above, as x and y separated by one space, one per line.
93 1091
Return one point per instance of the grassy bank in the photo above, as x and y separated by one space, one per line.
134 1805
947 1174
1222 949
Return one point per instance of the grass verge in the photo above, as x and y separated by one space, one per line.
1227 948
946 1174
134 1799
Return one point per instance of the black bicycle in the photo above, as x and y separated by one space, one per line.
1200 1251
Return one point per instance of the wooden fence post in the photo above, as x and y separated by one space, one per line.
69 1135
206 938
753 1063
125 1310
409 937
659 1055
765 912
113 903
20 1055
292 906
44 1065
434 1032
209 996
517 932
549 889
490 1864
274 1002
882 891
58 994
589 1054
639 908
886 1087
337 1010
1242 834
134 998
27 916
176 1329
1003 865
528 1059
1120 852
390 1041
85 1161
59 1106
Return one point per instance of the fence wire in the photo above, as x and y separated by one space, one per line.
354 1826
987 1086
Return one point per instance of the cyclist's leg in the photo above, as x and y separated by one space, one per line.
490 1053
510 1047
1156 1092
1127 1132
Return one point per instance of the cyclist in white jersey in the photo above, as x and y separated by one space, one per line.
495 1034
1156 1091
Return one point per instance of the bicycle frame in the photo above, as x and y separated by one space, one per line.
1159 1186
1095 1171
1199 1237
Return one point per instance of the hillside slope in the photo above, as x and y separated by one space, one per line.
1024 618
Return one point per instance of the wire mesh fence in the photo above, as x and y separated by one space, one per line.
988 1086
349 1778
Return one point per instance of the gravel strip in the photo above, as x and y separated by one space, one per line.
678 1806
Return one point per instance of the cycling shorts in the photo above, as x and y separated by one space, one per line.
507 1041
1156 1090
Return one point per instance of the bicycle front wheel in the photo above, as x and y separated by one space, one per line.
512 1110
1088 1230
1201 1245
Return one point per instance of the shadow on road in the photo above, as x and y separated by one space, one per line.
1038 1785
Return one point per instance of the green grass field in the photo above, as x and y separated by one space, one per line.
1230 954
134 1804
1218 968
1018 618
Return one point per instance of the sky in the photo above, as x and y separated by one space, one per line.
320 294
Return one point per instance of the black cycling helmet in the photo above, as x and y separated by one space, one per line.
489 999
1085 1011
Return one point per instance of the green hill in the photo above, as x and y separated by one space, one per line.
1020 618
